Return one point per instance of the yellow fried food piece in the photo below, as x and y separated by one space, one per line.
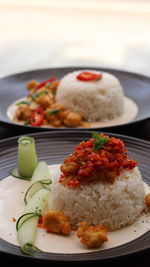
147 200
72 119
92 236
56 222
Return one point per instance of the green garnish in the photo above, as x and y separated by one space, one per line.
98 78
26 122
53 93
37 94
23 102
48 84
99 141
53 111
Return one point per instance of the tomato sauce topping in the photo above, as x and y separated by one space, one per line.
92 161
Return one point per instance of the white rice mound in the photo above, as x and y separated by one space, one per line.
95 100
113 205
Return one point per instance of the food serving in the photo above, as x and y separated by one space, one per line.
99 98
96 191
100 175
79 99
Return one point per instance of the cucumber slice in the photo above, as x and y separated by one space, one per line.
40 178
41 172
34 188
27 234
27 223
15 173
23 218
27 158
37 194
30 248
38 202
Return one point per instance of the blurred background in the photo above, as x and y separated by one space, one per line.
37 34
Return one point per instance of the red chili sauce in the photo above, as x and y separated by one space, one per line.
88 165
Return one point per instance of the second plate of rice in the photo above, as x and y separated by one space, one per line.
74 98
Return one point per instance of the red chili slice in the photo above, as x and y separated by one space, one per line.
45 82
40 223
88 76
40 220
37 117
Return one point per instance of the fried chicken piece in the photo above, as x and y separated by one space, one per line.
56 123
53 86
57 106
62 114
72 119
32 84
52 119
85 124
44 100
23 112
147 200
58 112
71 167
92 236
56 222
52 114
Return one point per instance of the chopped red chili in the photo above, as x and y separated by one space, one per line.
88 76
40 223
73 182
44 83
37 117
40 220
86 165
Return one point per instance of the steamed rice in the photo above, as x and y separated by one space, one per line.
113 205
95 100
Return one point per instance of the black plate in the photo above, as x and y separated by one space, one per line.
136 87
53 147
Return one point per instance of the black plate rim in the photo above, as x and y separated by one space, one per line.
106 128
72 131
72 257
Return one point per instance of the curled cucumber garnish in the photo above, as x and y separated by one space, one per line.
27 158
37 195
27 223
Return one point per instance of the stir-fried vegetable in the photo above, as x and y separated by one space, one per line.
37 117
45 82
